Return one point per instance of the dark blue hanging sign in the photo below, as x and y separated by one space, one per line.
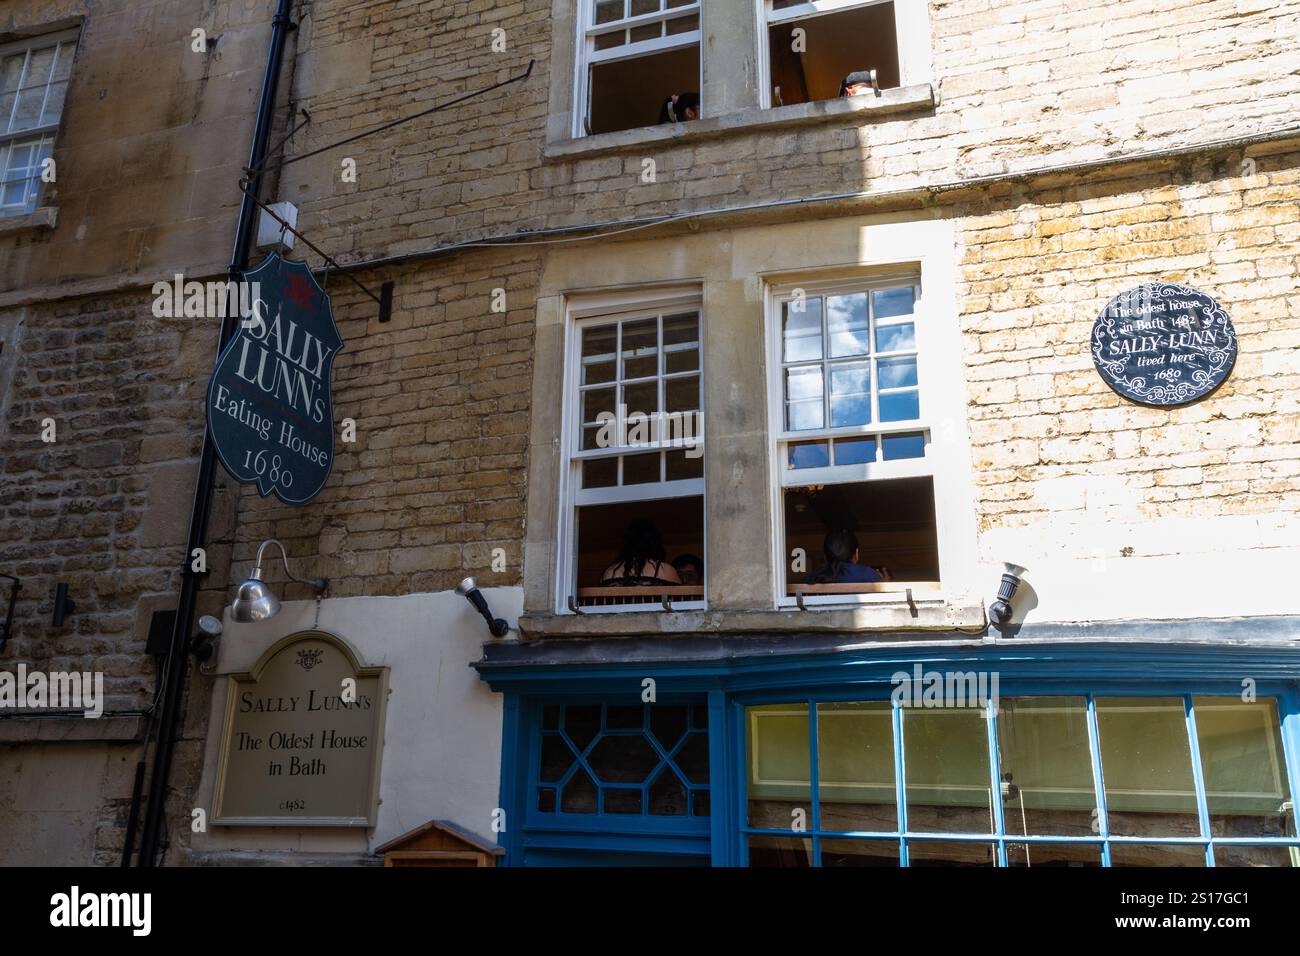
269 409
1163 344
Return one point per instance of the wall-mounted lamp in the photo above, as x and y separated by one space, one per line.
204 644
468 589
254 601
1000 610
63 605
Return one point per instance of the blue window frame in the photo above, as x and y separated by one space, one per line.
1130 776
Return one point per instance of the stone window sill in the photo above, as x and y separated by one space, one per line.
42 218
906 99
894 616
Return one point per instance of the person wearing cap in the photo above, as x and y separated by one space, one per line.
680 107
858 82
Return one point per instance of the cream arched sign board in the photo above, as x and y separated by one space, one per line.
303 736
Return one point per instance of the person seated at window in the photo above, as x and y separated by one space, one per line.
680 107
841 549
689 568
640 559
858 82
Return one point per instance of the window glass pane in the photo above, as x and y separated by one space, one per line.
38 68
900 406
896 372
11 70
595 401
846 324
888 303
780 851
684 24
1244 766
896 338
681 343
28 112
54 103
847 853
63 65
600 473
6 108
803 392
596 436
801 330
949 853
905 445
1046 762
1146 766
641 348
808 454
681 466
640 7
947 770
609 10
641 469
647 31
1053 854
855 766
679 3
609 40
1234 855
682 394
855 451
579 794
777 758
598 345
850 393
643 399
1155 854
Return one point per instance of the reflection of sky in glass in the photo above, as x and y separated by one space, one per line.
900 406
803 383
895 338
846 323
803 331
803 415
907 445
891 302
813 455
896 372
850 394
855 451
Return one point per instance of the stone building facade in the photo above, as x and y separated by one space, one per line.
1021 165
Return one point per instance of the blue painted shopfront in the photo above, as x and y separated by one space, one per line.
593 774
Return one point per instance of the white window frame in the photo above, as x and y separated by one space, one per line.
588 56
42 135
939 373
583 312
912 36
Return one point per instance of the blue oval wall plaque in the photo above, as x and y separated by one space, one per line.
1163 344
269 409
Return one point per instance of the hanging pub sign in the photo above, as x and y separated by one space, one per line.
1163 344
269 409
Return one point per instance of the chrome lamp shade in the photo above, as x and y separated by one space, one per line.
254 601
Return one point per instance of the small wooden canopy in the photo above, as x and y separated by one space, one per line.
440 843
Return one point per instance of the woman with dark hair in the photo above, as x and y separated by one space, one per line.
680 107
641 558
841 549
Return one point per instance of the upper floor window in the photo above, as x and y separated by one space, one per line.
634 509
633 57
857 491
815 46
33 83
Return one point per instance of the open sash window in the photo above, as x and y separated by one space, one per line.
635 457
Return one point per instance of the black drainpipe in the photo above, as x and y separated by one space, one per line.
178 656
